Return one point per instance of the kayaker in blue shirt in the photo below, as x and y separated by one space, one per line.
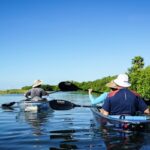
36 92
100 100
123 101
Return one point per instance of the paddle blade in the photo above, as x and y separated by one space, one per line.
67 86
61 105
8 105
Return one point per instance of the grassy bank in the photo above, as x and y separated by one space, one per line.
24 89
13 91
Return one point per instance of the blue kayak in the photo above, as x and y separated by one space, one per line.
122 122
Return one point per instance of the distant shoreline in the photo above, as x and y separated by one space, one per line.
13 91
26 88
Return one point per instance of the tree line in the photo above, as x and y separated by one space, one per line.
139 77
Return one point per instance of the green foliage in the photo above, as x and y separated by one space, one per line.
26 87
141 82
140 77
137 64
13 91
48 87
134 77
97 85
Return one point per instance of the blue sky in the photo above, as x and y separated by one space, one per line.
80 40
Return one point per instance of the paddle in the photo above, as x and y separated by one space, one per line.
8 105
53 92
64 105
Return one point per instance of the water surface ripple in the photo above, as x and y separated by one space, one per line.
62 130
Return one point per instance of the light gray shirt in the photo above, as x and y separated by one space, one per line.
36 92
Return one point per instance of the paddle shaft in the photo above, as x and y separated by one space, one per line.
51 92
76 105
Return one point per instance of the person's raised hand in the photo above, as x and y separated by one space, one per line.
90 91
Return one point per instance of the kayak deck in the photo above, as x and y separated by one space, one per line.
34 105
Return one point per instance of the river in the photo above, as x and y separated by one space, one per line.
62 130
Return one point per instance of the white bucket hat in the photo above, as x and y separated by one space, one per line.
122 80
37 83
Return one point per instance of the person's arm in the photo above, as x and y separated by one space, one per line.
99 99
142 106
27 94
44 93
104 112
147 111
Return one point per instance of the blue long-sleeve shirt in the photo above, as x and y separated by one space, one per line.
98 100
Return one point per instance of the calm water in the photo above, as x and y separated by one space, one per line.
61 130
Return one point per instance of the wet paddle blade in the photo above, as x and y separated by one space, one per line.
8 105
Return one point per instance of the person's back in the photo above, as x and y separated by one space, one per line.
125 102
36 92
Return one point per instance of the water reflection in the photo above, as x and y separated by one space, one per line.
36 120
63 130
123 141
67 138
77 138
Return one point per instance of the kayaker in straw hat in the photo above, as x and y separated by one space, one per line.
123 101
36 92
100 100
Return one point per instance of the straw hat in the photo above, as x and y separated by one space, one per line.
37 83
122 80
111 84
